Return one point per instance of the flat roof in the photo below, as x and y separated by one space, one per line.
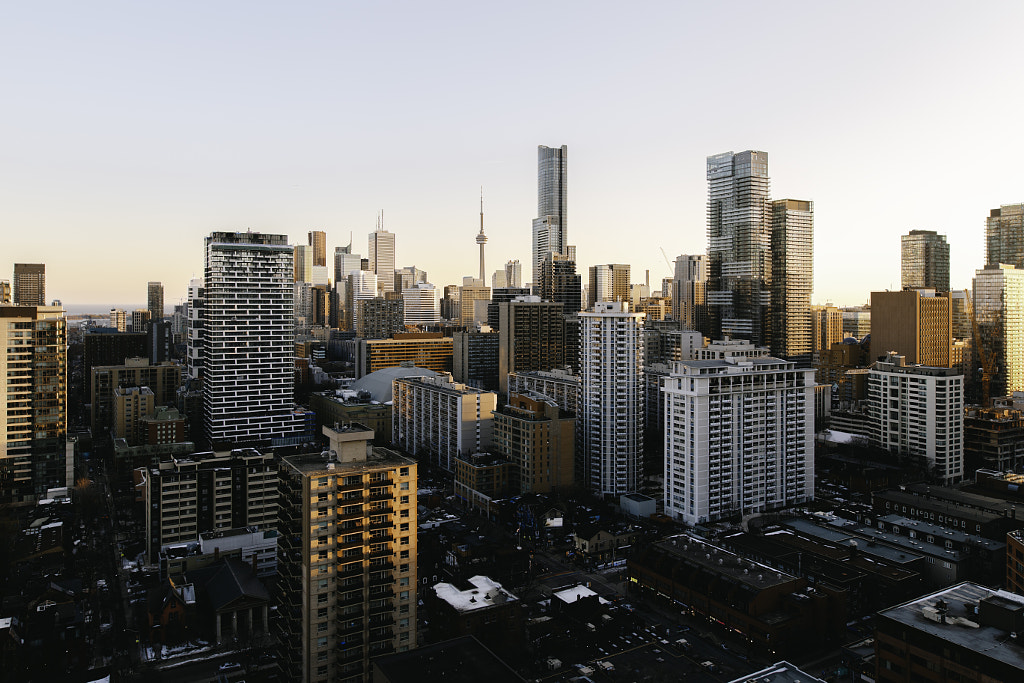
779 672
376 459
722 561
485 593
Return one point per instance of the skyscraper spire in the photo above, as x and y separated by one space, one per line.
481 238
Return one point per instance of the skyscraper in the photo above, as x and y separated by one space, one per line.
608 282
318 241
33 402
247 334
303 263
345 262
612 398
549 228
998 299
155 301
924 261
514 274
1004 235
915 323
530 337
739 246
30 284
689 292
382 259
560 283
792 280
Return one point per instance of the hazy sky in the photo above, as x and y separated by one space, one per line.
131 130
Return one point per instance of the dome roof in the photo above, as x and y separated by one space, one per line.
378 384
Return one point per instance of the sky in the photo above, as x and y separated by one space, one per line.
132 130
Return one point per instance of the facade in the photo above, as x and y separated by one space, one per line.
1004 236
318 241
303 263
482 479
915 323
379 318
918 411
1015 561
559 282
549 228
423 349
33 401
186 496
347 565
559 384
856 322
382 259
469 294
792 282
739 437
409 276
530 337
475 359
5 292
664 342
140 320
131 405
155 300
993 439
827 328
998 301
248 350
362 286
421 304
611 402
924 261
30 284
608 282
163 426
119 319
739 246
538 437
436 418
514 273
345 262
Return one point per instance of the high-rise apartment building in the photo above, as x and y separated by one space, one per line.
739 437
382 258
549 227
531 337
538 437
422 305
155 301
739 246
612 398
560 283
514 274
1004 236
163 379
471 292
347 565
303 263
924 261
30 284
915 323
827 324
140 320
918 411
379 318
318 241
248 345
33 401
475 359
194 330
5 291
998 300
689 292
608 282
119 319
792 279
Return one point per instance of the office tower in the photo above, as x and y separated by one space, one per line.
471 292
538 438
560 283
303 266
915 323
362 285
498 280
318 241
502 295
549 228
739 437
155 300
481 239
924 261
998 304
739 246
530 337
5 291
689 292
347 565
422 306
827 323
450 303
514 273
163 379
918 411
119 319
439 419
33 402
408 277
379 318
611 407
792 283
248 345
1004 236
382 258
30 284
345 262
856 322
140 320
475 359
427 350
188 495
609 282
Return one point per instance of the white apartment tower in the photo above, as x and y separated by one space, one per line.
611 398
248 339
422 305
382 259
739 437
918 411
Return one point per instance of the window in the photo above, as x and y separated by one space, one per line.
404 581
404 486
404 595
322 641
404 500
404 555
404 526
404 541
403 472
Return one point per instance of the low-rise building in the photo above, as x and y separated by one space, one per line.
482 608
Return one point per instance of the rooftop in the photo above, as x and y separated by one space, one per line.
699 551
484 593
376 458
780 672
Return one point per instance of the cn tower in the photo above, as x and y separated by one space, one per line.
481 239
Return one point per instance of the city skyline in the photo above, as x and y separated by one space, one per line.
419 128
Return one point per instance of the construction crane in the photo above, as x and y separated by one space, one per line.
671 270
987 362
